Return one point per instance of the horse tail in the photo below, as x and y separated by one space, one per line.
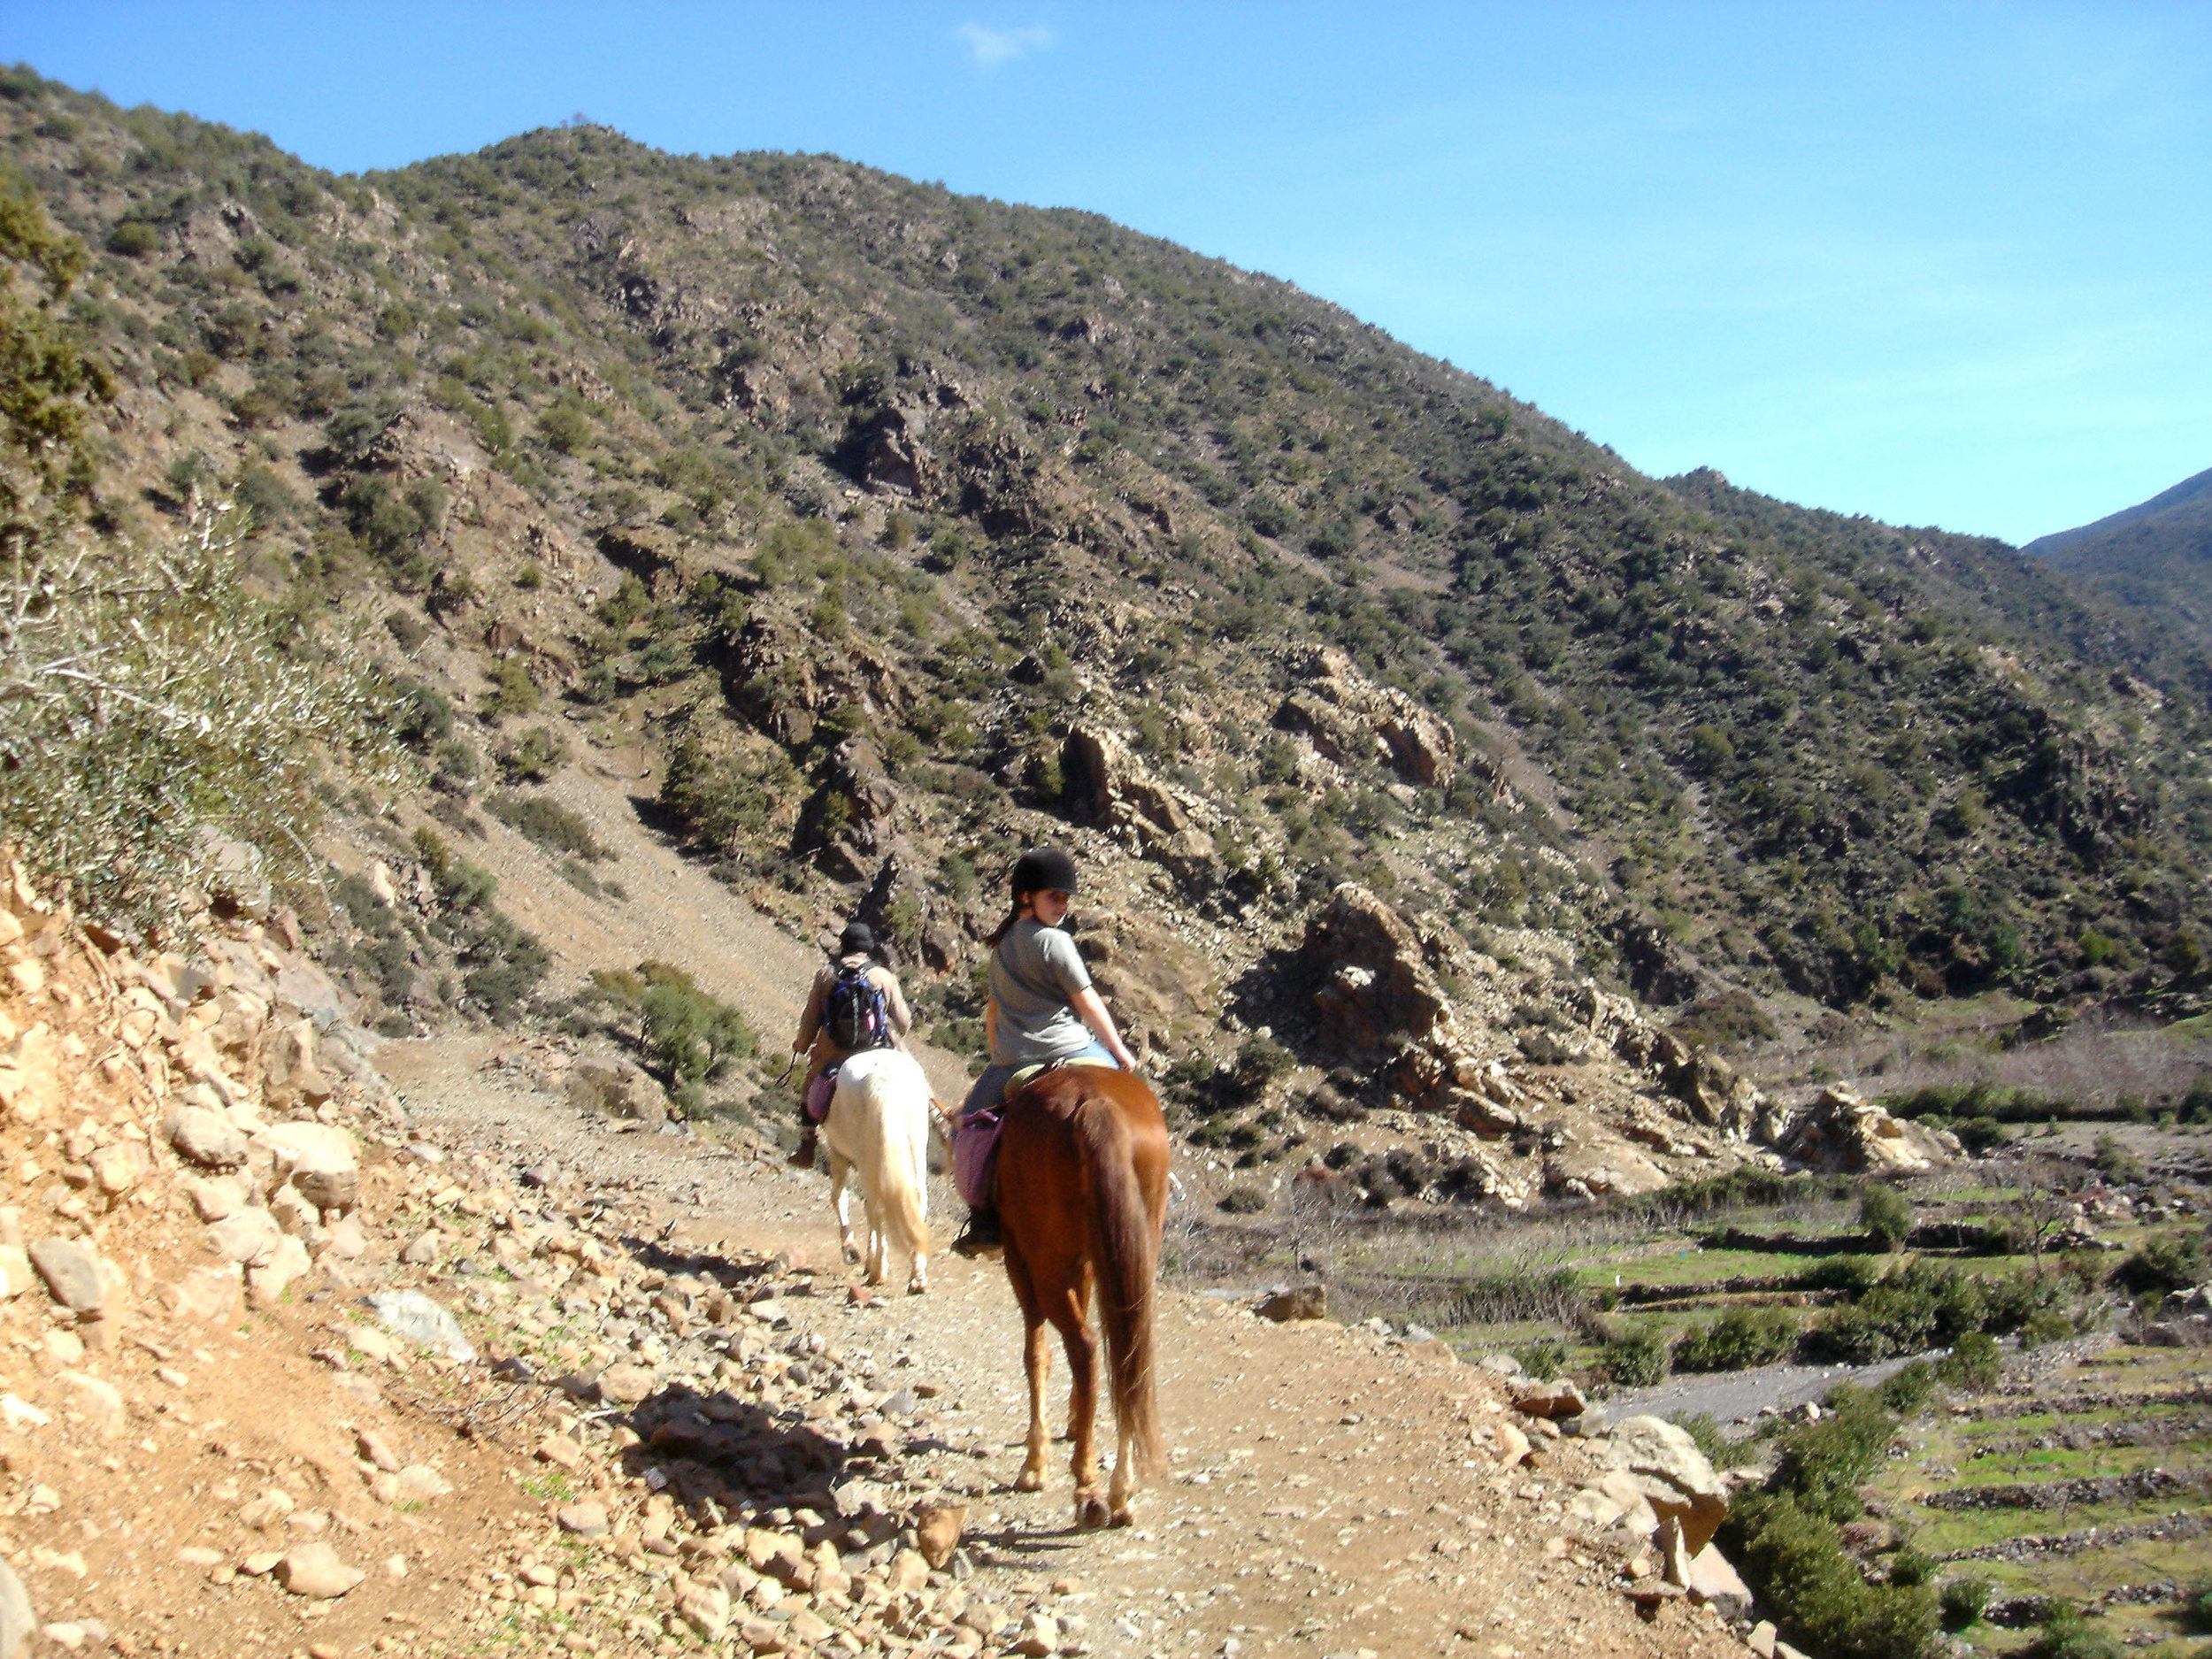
1124 1258
894 1127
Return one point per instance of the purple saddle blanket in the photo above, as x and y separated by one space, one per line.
819 1092
975 1155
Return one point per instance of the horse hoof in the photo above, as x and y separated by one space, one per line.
917 1287
1123 1516
1028 1482
851 1255
1090 1510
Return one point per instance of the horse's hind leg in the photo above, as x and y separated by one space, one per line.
1066 1310
1120 1513
841 1200
1037 1361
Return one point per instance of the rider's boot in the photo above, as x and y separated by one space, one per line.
802 1156
980 1236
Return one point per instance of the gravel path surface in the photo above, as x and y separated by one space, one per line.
1734 1399
1327 1495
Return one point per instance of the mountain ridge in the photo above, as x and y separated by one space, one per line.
887 513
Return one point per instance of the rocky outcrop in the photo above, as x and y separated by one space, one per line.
620 1089
1841 1133
785 679
1354 722
1375 986
1672 1475
1108 786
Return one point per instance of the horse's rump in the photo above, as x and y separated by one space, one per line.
879 1121
1084 1154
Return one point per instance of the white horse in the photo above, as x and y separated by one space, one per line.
879 1124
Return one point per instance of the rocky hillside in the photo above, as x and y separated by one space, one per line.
2151 555
887 531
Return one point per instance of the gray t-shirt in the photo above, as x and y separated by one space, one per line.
1035 974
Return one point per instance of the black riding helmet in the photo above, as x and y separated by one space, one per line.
1043 870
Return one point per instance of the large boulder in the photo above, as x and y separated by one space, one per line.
320 1161
620 1089
1375 981
1841 1133
1672 1476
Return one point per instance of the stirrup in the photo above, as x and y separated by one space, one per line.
981 1237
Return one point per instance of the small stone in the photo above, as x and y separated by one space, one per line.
585 1520
910 1570
1761 1642
18 1621
250 1236
626 1385
1040 1635
15 1271
100 1400
937 1528
118 1168
72 1272
206 1138
422 1251
379 1452
419 1482
314 1570
706 1608
346 1238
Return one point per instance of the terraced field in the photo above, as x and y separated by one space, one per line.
2092 1481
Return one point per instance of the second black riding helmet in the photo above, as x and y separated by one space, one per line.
1043 870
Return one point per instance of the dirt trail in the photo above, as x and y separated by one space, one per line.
1326 1494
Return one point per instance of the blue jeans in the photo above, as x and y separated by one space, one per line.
988 1090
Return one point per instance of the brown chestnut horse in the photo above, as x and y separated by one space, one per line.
1082 1192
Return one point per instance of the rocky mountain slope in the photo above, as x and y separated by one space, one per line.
878 532
2152 555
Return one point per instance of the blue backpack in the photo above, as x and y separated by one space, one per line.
855 1014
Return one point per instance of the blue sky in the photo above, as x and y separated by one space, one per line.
1939 264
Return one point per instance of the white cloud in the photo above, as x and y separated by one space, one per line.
990 47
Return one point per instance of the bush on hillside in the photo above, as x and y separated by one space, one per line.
1962 1601
1737 1340
1975 1363
1796 1563
1886 1214
1636 1361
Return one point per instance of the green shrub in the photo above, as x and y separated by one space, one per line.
1823 1464
1910 1566
1245 1198
1795 1561
1975 1363
2196 1603
1908 1391
548 823
1963 1601
1886 1216
2069 1634
533 757
1543 1360
1738 1340
2173 1261
2045 1327
1637 1360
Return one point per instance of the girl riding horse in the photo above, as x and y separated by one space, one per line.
1043 1009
